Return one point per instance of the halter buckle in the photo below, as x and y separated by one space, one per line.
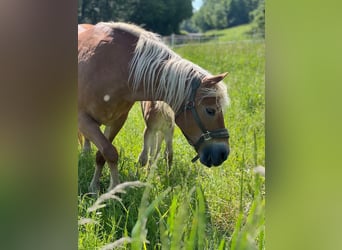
206 136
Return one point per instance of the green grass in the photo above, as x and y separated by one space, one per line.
190 207
238 33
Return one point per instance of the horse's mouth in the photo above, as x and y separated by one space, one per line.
214 155
209 163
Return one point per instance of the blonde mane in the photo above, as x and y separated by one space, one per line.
154 62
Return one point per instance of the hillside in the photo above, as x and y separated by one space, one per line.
238 33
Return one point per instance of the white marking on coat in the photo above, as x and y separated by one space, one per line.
106 98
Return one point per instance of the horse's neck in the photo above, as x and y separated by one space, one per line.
175 98
169 83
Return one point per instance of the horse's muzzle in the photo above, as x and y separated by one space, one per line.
214 154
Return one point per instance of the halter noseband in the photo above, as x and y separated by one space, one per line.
206 134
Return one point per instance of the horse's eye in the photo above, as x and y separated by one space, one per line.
210 111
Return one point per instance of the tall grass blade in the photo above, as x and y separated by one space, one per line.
164 239
222 244
246 238
112 194
235 235
255 152
83 221
262 239
197 235
139 231
242 165
172 213
201 218
117 243
179 221
191 242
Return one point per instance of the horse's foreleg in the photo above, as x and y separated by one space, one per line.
110 133
90 129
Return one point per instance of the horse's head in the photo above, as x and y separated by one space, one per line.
201 120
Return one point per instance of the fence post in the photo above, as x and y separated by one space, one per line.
172 40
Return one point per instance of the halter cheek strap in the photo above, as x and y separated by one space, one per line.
206 134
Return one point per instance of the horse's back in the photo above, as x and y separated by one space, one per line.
84 26
106 47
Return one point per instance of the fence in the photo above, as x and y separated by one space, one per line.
175 40
179 40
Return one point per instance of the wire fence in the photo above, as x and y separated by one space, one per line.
195 38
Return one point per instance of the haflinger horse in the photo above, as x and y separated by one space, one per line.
160 122
119 64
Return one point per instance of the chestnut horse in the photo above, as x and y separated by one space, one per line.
119 64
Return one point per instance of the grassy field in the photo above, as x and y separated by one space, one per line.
190 206
239 33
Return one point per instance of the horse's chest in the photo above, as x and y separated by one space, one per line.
108 111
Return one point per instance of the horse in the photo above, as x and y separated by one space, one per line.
119 64
159 125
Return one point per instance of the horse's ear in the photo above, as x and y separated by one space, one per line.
211 80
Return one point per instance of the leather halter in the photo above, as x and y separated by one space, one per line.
206 134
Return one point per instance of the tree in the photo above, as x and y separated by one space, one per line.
188 25
258 17
212 15
161 16
238 13
219 14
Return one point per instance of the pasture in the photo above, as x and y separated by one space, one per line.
189 206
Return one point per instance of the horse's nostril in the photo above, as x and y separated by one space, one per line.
220 156
209 160
223 156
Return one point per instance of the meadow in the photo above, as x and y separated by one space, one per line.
188 206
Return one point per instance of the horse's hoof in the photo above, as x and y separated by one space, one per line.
142 161
94 189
